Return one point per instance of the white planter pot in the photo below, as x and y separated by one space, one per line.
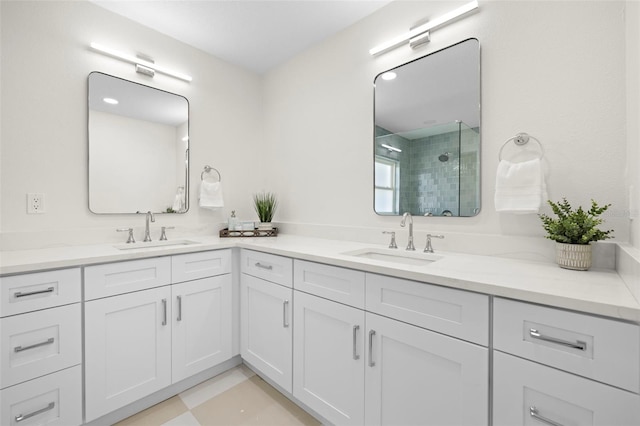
573 256
265 226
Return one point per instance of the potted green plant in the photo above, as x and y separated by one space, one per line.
265 205
573 230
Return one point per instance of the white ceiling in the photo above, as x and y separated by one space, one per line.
256 35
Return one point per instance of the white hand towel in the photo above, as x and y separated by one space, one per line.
520 187
211 195
178 202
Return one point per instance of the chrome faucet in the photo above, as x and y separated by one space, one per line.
410 245
147 235
429 247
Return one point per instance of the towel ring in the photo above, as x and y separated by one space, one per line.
521 139
208 169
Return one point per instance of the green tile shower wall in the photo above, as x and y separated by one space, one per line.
428 185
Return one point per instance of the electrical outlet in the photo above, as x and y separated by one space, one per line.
35 203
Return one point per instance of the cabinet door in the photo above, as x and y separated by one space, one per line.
201 325
265 335
127 349
527 393
328 363
415 376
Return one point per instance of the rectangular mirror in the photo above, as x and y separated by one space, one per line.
427 135
138 148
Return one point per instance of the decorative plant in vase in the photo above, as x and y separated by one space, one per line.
265 205
573 230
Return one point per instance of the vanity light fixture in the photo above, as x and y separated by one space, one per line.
420 34
143 66
390 148
389 75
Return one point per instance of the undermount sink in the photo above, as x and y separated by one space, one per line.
396 256
151 244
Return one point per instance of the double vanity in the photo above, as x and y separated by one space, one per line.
354 333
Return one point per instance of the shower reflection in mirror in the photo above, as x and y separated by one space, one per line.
431 173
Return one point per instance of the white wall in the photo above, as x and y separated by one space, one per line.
633 117
45 64
553 69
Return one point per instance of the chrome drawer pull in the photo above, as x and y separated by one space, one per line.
49 341
577 345
32 293
371 334
285 320
21 417
267 267
533 412
164 308
179 317
355 342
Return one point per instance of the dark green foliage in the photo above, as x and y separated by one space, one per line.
265 205
575 226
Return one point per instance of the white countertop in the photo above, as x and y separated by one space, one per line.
600 292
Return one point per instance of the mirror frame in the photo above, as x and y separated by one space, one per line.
187 151
479 76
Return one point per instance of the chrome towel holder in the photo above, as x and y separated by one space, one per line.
209 169
521 139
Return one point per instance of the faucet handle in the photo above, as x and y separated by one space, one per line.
163 234
392 244
130 238
429 247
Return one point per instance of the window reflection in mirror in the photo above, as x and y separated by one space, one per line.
427 135
138 148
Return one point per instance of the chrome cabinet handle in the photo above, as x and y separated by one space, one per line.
31 293
533 412
164 308
285 319
179 317
371 334
267 267
355 342
49 341
577 345
21 417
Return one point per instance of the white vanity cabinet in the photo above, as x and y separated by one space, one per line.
201 325
387 361
266 322
127 349
329 352
143 341
559 367
418 370
41 348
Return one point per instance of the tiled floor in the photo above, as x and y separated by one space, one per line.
237 397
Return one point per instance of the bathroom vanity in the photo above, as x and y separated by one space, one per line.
94 334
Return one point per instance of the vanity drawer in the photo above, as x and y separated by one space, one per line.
527 393
331 282
31 292
600 349
193 266
457 313
39 343
124 277
277 269
55 399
